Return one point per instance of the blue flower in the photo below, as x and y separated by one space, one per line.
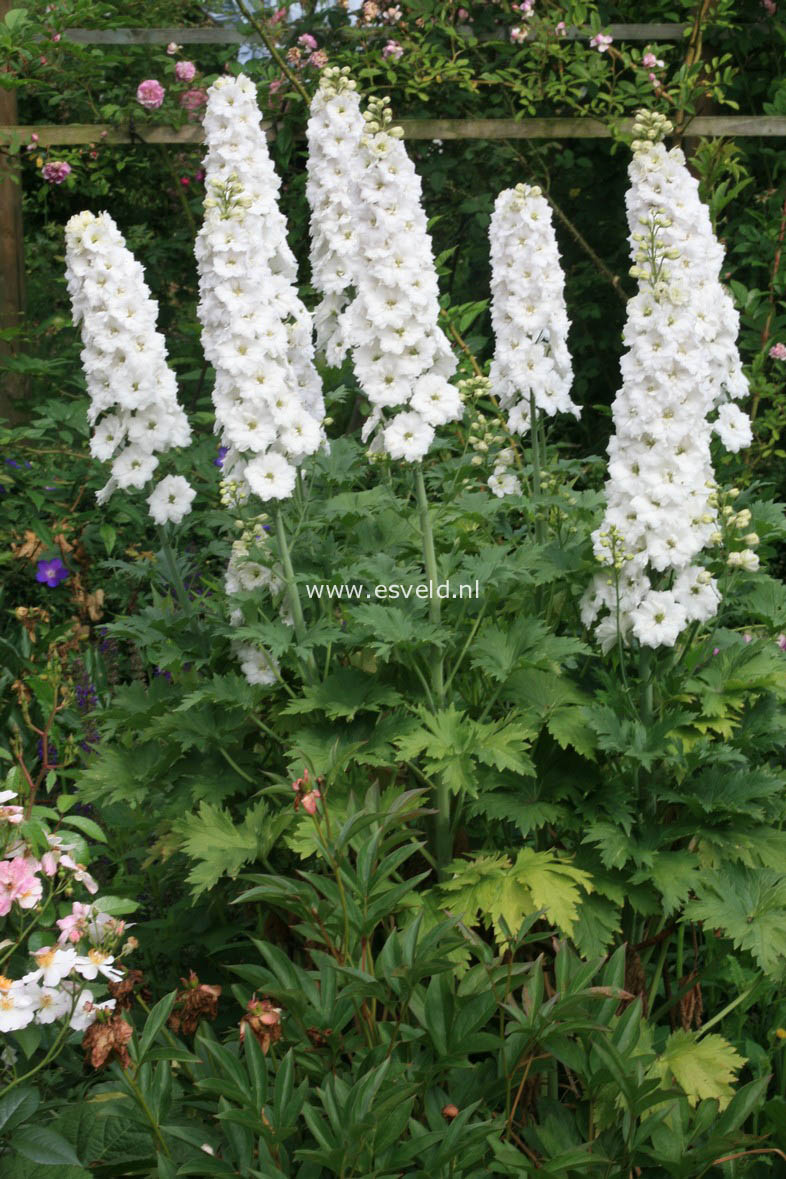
222 453
52 572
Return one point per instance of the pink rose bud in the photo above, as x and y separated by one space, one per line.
185 71
310 802
150 94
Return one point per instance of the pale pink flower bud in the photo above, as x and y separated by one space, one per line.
777 352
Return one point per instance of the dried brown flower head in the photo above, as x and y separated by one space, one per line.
197 1001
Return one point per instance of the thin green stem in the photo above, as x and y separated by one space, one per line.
154 1126
294 596
664 949
274 52
726 1010
172 572
443 841
465 648
231 761
540 534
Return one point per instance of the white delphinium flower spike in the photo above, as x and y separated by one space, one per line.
528 314
255 330
133 392
681 364
335 128
401 356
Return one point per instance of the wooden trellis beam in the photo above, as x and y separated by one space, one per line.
231 35
711 126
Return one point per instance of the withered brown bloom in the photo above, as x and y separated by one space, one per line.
197 1001
123 991
107 1037
264 1020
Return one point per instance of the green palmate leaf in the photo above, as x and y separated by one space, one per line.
527 815
446 741
749 905
598 921
675 875
500 891
451 743
221 847
343 694
703 1068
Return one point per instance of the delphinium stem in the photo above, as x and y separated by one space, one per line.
443 842
537 458
294 596
172 571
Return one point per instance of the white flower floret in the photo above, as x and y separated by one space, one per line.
54 964
17 1009
97 962
658 619
85 1010
256 665
270 476
171 500
503 482
50 1003
408 437
733 427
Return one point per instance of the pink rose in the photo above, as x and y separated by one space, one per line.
55 171
185 71
307 41
192 100
778 352
150 94
393 49
318 59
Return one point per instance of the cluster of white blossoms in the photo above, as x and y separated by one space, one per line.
531 359
255 330
335 129
401 356
133 393
681 366
249 571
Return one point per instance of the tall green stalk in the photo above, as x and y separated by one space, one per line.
172 571
443 842
537 458
294 596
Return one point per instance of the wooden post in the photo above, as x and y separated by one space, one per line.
12 261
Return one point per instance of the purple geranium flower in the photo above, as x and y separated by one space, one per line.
52 572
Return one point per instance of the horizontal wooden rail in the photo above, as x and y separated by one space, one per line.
232 35
712 126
